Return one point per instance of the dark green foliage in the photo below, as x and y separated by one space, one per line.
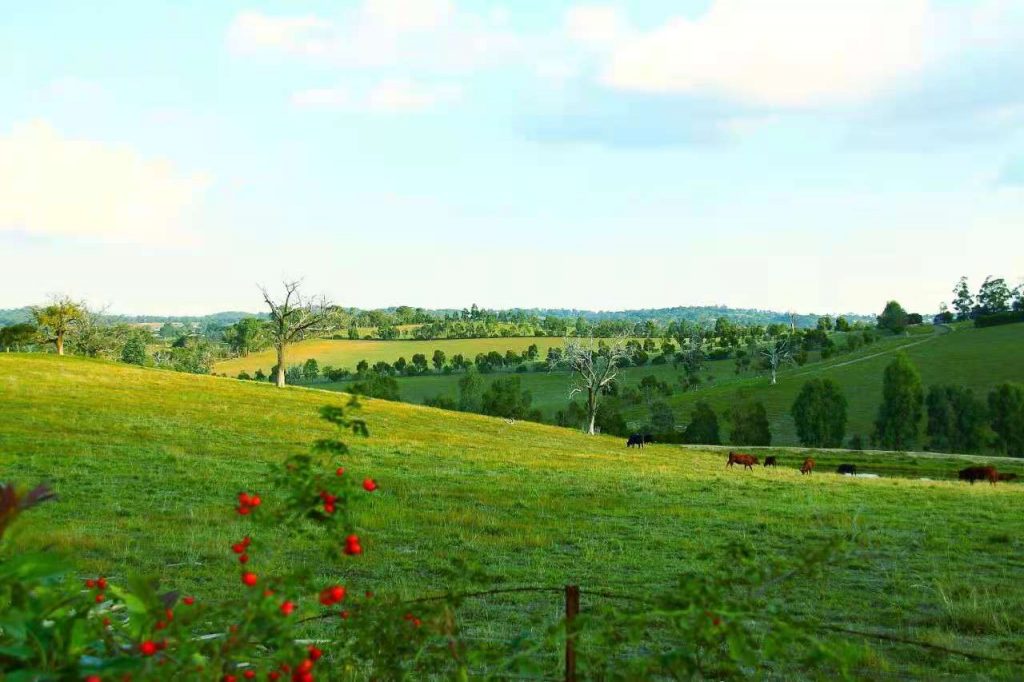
310 370
856 442
994 296
608 418
377 386
1006 409
663 419
134 350
893 318
749 423
573 416
963 302
703 426
471 390
506 398
956 420
899 416
442 401
819 412
18 336
997 319
438 359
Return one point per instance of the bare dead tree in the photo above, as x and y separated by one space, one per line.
295 318
777 354
594 366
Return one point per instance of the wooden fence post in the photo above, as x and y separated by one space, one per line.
572 607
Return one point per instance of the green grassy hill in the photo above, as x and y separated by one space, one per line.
976 358
146 462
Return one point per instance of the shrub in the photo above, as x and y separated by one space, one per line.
749 423
377 386
956 419
703 426
997 319
506 398
1006 408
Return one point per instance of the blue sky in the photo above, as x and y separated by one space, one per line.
815 155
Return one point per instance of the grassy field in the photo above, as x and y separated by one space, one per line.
346 353
145 462
978 358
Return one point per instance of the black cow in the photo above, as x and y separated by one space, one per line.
635 439
848 469
648 438
771 461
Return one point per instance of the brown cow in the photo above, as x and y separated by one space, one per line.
748 461
1008 477
972 474
771 461
808 466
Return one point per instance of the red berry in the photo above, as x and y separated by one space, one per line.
100 598
249 674
148 648
273 675
229 678
90 583
315 653
160 625
188 601
246 541
352 545
344 615
255 501
243 499
268 593
238 548
244 558
243 511
287 608
93 678
169 614
328 507
106 622
305 666
369 485
101 583
340 471
249 578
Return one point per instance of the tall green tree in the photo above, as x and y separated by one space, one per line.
471 391
898 422
134 350
61 317
438 359
1006 409
893 318
819 412
956 419
703 426
18 336
246 335
749 423
663 419
994 296
963 302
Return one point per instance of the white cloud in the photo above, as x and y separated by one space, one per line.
56 186
428 35
402 15
790 53
322 98
596 24
387 96
394 96
253 32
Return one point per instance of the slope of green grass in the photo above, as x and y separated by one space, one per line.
146 463
976 358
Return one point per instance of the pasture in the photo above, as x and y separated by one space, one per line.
146 461
347 352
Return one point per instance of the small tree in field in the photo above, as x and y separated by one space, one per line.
899 416
893 317
956 419
294 318
594 367
703 426
59 319
438 360
820 414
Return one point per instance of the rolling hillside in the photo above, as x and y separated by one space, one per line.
146 461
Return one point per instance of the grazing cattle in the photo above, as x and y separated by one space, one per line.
847 469
972 474
648 438
748 461
635 439
771 461
807 467
1008 477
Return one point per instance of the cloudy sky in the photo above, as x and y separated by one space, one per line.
816 155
